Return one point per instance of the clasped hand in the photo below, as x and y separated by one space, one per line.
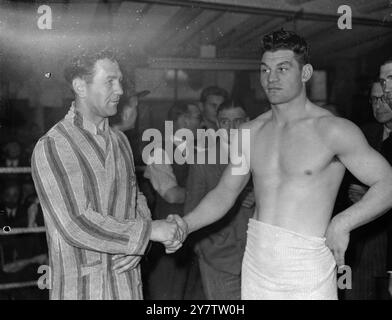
171 232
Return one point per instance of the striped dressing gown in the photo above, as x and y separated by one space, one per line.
86 184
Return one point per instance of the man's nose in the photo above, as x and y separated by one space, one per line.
118 89
272 77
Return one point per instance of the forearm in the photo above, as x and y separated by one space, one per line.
212 208
376 201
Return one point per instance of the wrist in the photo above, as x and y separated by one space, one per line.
153 233
188 225
341 223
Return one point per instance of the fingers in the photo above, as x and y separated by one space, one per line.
182 227
133 264
124 263
171 247
119 263
339 257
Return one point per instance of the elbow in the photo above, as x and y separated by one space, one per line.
175 195
169 198
172 198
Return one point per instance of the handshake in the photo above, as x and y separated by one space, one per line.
171 232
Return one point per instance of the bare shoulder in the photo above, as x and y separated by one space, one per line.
331 125
338 132
257 122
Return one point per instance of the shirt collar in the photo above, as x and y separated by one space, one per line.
78 120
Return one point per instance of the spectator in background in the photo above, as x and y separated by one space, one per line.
21 254
12 155
369 243
169 274
386 83
220 246
210 99
10 205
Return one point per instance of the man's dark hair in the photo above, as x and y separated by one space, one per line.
179 109
386 61
213 91
287 40
230 104
83 65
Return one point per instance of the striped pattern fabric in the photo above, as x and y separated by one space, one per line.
86 184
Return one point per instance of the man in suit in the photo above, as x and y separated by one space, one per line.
220 246
370 241
169 274
386 83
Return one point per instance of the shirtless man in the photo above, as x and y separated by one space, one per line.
297 155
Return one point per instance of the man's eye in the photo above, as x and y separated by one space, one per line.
264 70
282 69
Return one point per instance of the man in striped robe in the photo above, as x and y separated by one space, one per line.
98 223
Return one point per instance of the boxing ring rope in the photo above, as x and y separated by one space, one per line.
17 231
14 231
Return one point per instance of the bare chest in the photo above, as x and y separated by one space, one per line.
298 152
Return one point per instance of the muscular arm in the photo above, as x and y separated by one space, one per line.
369 167
219 200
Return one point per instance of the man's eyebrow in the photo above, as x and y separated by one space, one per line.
279 64
112 76
284 62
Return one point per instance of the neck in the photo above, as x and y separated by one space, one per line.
290 111
82 107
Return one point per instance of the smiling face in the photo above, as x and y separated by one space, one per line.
281 76
103 92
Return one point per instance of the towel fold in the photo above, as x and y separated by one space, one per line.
281 264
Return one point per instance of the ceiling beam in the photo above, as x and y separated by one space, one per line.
258 9
184 37
356 51
239 31
349 41
178 22
372 6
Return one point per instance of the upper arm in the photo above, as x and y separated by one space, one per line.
162 177
196 187
351 147
237 173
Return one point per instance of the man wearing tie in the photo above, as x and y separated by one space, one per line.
370 248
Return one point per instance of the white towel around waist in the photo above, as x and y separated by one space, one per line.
283 264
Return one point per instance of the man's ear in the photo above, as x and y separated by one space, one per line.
307 71
79 86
